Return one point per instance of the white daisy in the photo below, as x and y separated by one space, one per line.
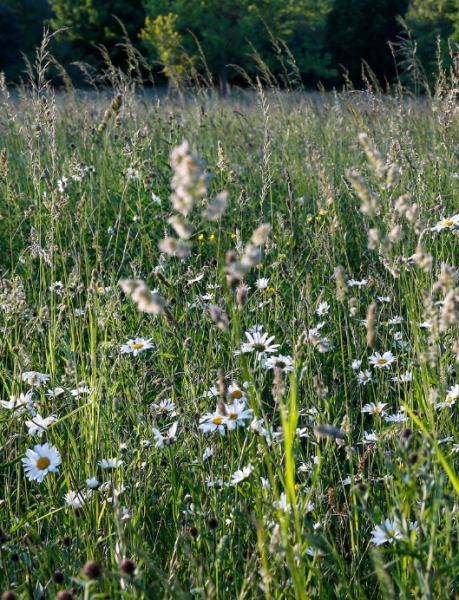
55 393
451 396
375 409
76 499
387 531
369 438
323 309
38 425
259 343
314 552
242 474
40 461
364 377
133 173
400 418
57 287
382 361
213 421
356 364
196 279
449 223
110 463
384 298
165 406
353 282
20 404
92 483
81 390
284 363
165 440
156 199
262 283
236 413
34 378
404 377
136 346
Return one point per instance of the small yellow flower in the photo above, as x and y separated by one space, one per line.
309 218
321 212
275 237
289 243
260 266
233 235
317 218
271 289
212 237
200 237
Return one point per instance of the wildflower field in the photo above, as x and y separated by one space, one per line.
228 341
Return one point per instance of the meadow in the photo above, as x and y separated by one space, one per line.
228 341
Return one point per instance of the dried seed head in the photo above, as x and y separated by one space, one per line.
371 332
91 570
127 567
65 595
212 523
242 296
58 577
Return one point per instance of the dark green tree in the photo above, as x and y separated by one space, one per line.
228 31
11 36
360 30
93 22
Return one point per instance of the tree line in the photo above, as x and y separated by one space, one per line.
325 42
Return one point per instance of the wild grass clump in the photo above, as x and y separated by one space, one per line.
229 342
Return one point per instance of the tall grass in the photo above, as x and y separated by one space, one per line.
351 184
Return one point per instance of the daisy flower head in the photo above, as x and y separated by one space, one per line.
364 377
81 390
375 409
57 287
212 422
40 461
386 531
448 223
451 397
284 363
37 426
236 413
132 173
262 283
384 298
136 346
110 463
404 377
259 343
75 499
168 439
399 418
156 199
314 552
241 475
197 279
382 361
369 438
55 393
34 378
92 483
164 407
236 391
353 282
20 404
323 309
356 364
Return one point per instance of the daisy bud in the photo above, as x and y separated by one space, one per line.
127 567
58 578
242 296
91 570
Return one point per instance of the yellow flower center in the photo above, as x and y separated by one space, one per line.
43 463
448 223
323 310
391 533
259 347
137 346
365 378
280 364
449 400
376 410
237 394
382 361
320 554
163 410
217 420
232 417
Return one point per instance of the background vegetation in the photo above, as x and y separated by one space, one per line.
328 38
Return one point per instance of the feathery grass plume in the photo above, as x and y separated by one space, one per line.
140 294
116 104
219 317
3 165
223 162
371 331
189 181
261 234
449 314
447 278
341 279
362 192
175 247
216 207
183 228
373 155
